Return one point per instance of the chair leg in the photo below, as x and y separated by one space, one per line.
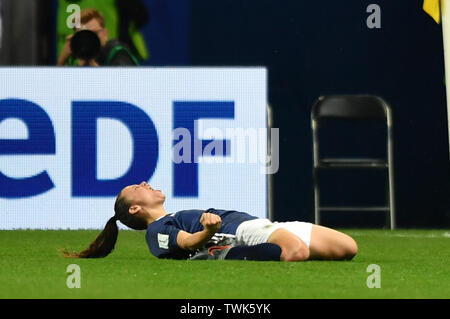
316 198
387 219
391 198
390 154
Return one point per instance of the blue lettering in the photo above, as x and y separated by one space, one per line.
41 140
84 133
185 113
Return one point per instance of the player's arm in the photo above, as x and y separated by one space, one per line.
211 224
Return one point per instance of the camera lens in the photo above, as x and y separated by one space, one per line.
85 45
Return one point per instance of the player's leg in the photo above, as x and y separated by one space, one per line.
327 243
261 252
292 238
292 247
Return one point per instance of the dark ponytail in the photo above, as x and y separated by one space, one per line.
102 245
106 240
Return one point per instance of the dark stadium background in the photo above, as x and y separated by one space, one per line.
312 48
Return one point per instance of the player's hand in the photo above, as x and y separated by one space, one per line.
211 222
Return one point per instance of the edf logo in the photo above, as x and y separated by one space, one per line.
84 182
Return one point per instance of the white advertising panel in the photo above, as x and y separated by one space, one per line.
72 138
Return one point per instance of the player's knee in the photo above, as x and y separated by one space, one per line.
295 254
350 250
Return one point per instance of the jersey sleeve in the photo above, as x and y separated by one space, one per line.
162 242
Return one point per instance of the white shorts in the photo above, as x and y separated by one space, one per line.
257 231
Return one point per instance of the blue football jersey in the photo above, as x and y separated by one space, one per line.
162 234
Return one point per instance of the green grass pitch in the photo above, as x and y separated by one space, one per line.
413 264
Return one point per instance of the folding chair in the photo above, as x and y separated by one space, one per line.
352 108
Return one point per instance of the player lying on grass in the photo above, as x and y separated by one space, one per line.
186 233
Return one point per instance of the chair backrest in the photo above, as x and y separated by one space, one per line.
350 107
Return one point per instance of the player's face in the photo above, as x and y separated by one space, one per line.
142 194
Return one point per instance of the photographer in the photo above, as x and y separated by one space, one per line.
89 45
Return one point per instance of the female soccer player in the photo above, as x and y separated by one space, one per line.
181 234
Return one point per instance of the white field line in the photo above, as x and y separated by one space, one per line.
402 235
